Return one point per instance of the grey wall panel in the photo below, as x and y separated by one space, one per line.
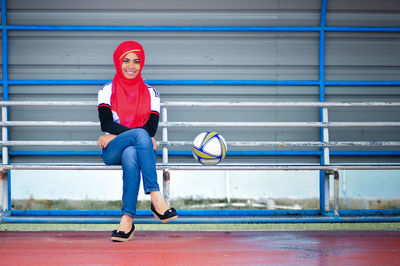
169 56
159 12
363 13
359 52
209 56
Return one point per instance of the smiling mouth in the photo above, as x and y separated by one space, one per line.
131 74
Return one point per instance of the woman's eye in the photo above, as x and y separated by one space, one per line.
135 61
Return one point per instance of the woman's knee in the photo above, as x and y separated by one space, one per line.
110 158
142 137
129 157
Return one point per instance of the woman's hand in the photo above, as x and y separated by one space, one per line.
104 140
154 143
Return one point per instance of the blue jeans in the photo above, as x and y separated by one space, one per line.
133 149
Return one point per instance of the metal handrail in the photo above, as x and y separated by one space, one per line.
213 104
281 104
229 143
214 124
208 124
300 167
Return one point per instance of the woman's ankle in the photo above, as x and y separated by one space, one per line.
126 223
159 202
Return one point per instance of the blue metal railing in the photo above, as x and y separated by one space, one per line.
203 28
213 216
117 213
321 82
172 82
4 84
214 82
161 28
322 177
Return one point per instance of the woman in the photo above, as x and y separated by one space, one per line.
129 112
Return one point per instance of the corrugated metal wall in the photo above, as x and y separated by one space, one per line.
53 55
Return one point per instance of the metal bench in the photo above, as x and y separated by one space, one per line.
257 216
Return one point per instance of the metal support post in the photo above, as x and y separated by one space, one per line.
166 185
166 174
4 193
326 161
326 199
325 139
325 135
336 193
323 176
5 198
228 187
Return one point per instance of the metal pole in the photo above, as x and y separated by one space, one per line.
248 167
326 161
201 28
231 144
336 193
164 28
228 186
325 197
4 179
166 174
242 124
173 82
325 136
323 175
213 104
276 104
5 203
214 82
208 124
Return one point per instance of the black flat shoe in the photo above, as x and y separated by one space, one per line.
121 236
168 215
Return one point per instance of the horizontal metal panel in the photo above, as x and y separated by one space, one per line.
361 5
205 56
151 17
361 13
160 4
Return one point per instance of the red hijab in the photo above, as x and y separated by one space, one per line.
130 98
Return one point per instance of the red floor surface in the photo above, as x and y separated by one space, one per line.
202 248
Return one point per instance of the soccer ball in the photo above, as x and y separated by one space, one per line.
209 148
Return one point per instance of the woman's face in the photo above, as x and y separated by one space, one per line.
130 66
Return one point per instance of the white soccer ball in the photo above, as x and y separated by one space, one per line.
209 148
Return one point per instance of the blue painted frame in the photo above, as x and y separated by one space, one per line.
212 216
321 82
4 81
